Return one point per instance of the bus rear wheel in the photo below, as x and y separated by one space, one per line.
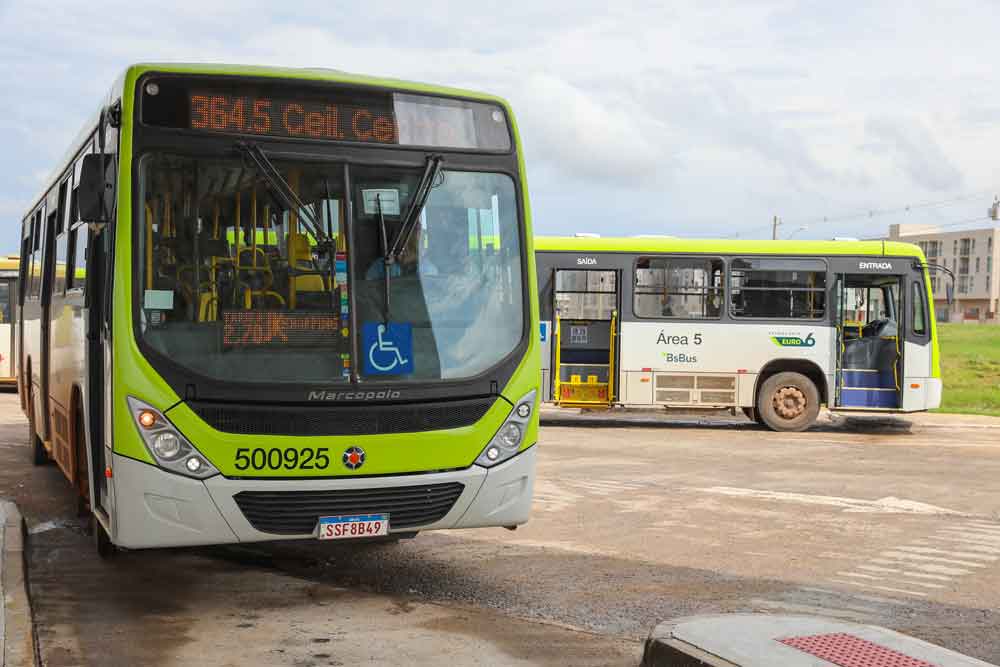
106 549
38 454
788 402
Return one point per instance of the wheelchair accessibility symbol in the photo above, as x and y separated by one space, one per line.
388 347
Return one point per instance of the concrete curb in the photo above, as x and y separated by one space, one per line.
17 640
765 640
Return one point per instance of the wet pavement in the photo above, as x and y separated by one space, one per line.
896 525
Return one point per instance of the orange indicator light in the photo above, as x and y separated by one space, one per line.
147 418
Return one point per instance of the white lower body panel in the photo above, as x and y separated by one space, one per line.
161 509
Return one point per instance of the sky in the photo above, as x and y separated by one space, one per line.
683 118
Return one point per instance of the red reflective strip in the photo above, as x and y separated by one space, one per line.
647 370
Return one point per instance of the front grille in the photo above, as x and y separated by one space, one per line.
296 512
247 419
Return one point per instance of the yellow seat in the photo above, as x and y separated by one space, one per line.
300 259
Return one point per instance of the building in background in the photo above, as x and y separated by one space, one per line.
973 256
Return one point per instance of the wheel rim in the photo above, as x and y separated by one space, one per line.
789 402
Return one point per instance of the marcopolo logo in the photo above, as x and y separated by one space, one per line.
875 266
352 395
793 341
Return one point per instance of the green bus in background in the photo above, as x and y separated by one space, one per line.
296 304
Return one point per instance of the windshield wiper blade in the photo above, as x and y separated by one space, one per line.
280 187
431 170
387 261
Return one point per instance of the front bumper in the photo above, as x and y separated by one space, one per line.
154 508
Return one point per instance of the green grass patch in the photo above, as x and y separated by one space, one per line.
970 368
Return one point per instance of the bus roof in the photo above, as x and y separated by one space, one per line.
726 246
308 73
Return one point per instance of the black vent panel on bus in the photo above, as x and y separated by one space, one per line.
297 512
248 419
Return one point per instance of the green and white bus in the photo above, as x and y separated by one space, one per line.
775 328
278 318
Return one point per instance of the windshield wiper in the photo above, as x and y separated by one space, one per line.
431 171
280 188
387 261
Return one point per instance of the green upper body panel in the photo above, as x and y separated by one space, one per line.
725 246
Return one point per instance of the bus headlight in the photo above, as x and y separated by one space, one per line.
508 438
168 447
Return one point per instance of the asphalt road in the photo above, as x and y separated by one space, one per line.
881 522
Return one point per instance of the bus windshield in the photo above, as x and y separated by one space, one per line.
234 285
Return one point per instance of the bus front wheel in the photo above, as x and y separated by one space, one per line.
788 402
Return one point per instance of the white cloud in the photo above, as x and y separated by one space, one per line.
698 117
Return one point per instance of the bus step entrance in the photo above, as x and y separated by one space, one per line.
585 368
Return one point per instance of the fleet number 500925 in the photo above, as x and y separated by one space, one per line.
276 458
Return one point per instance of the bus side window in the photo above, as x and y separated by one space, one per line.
35 286
76 264
23 268
919 310
4 302
62 236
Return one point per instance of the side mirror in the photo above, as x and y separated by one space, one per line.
95 193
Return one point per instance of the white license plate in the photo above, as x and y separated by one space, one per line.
353 526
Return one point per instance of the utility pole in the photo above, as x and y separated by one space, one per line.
774 228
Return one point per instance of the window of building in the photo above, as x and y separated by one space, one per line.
778 288
977 265
685 287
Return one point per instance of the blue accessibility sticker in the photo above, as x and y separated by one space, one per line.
388 348
545 330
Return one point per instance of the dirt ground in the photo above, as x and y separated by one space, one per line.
892 522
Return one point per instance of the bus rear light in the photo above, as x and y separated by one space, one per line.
168 446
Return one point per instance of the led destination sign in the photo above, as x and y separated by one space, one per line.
293 109
291 118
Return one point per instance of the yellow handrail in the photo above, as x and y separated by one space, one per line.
149 247
555 341
611 360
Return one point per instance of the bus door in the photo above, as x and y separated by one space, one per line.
869 342
8 293
585 337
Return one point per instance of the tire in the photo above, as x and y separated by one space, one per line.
39 456
82 465
106 549
788 402
753 415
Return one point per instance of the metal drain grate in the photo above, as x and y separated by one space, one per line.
847 650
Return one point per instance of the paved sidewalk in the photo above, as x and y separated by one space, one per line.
761 640
16 640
